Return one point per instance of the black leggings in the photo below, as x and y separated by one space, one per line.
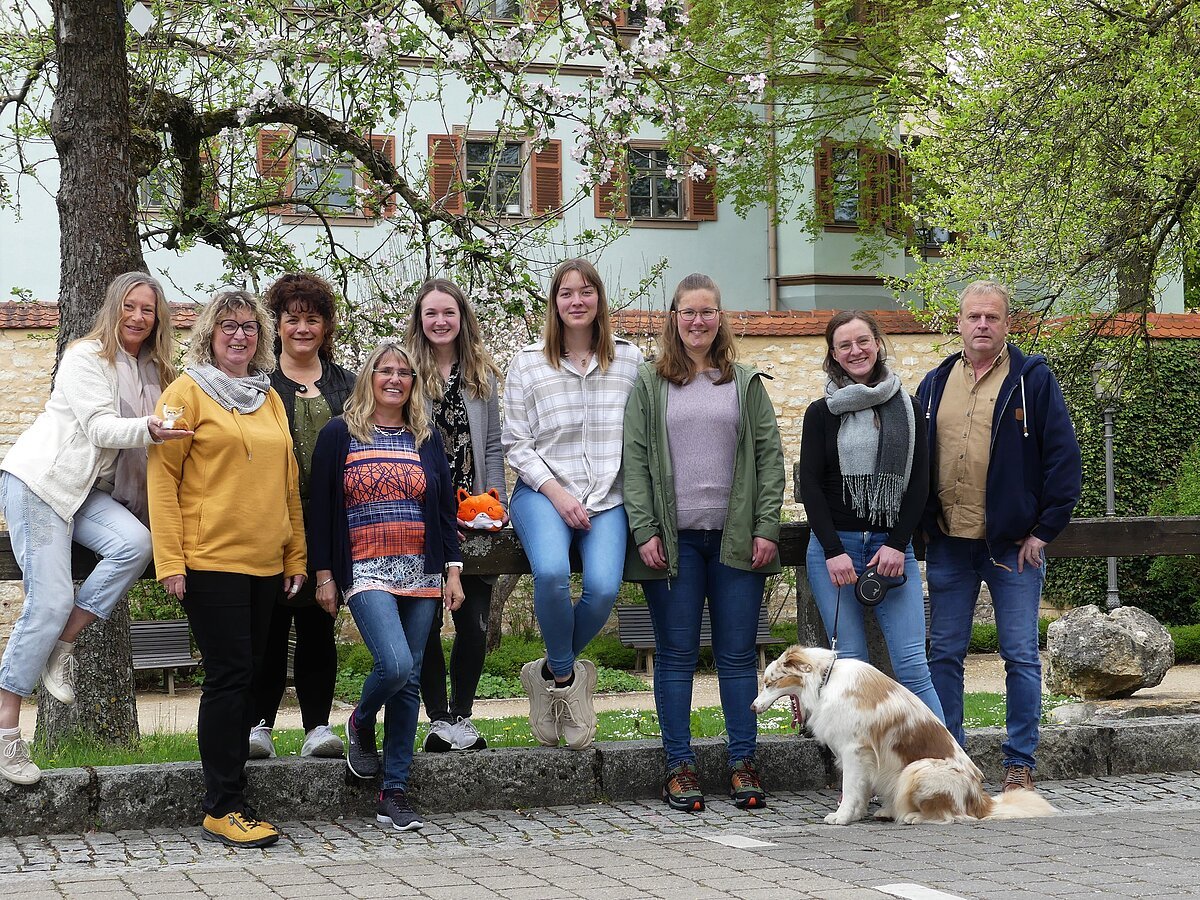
466 656
315 665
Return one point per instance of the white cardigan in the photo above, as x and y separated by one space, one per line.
60 455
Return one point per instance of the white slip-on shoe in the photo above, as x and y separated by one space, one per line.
322 742
261 744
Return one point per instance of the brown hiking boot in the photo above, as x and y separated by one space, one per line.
744 786
682 788
1018 778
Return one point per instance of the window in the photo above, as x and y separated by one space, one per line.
503 10
493 9
497 177
493 177
160 191
157 191
859 185
845 20
654 190
316 179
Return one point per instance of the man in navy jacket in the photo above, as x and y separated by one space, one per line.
1005 476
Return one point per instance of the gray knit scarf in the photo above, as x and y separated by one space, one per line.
875 442
243 394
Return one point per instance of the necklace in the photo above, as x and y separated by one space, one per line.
579 359
389 429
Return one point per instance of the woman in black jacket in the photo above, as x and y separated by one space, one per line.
313 388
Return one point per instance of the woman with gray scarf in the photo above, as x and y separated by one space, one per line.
864 477
228 535
78 474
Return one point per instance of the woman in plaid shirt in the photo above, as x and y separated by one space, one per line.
564 402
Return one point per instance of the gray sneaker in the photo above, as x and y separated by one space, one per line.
362 759
58 677
15 764
323 743
543 710
440 737
261 744
578 716
465 736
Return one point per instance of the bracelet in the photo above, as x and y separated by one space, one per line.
325 582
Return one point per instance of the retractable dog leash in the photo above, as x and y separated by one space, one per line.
797 719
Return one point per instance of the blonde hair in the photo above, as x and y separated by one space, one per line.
107 326
360 405
475 364
673 363
987 286
553 336
201 350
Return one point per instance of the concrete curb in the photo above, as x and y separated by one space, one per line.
166 795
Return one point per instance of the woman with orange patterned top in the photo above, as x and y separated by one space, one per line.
382 532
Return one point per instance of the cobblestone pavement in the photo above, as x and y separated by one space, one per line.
1133 836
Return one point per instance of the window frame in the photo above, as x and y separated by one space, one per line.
697 199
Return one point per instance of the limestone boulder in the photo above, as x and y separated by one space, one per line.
1102 656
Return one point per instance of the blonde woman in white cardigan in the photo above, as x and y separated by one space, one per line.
79 474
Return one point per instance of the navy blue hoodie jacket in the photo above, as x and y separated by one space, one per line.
1034 471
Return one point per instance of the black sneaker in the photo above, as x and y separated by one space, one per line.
361 756
394 810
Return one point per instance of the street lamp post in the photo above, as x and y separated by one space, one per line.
1106 376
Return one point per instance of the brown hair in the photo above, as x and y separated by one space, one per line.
302 292
833 368
553 338
673 363
475 364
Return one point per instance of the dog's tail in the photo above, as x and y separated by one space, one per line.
1020 804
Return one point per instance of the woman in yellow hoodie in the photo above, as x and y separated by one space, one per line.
228 535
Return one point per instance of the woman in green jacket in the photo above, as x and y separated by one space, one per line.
704 482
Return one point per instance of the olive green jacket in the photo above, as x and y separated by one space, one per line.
755 498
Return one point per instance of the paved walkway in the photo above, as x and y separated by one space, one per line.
1116 837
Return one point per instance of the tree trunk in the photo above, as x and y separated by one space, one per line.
97 215
502 590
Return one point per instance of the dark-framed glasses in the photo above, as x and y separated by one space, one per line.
232 327
704 315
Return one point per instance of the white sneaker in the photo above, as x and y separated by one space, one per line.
578 716
15 764
58 676
261 745
543 710
321 742
465 736
440 737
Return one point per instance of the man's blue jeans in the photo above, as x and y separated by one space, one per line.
676 606
901 615
395 630
954 568
547 540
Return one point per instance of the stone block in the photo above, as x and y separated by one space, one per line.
507 778
1142 746
59 804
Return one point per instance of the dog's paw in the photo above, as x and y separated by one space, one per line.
884 813
912 818
841 817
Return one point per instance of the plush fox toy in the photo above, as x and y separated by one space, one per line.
481 511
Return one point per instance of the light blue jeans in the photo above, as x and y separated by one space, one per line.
955 567
548 540
395 630
901 615
41 543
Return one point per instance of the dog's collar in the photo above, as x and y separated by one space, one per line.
828 672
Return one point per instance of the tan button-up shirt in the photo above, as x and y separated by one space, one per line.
964 440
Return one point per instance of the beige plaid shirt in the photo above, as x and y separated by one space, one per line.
566 426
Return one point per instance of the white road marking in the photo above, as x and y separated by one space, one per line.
915 892
737 841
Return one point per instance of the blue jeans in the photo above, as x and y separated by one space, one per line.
676 605
955 567
901 615
548 540
395 630
41 542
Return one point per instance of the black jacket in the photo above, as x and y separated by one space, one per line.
335 385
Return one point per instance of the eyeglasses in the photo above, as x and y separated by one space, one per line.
389 373
232 326
863 343
705 315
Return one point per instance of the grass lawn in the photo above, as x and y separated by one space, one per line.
981 710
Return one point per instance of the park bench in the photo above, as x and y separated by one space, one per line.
162 645
634 630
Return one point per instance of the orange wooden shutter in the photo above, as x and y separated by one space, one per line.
818 21
823 166
445 176
542 10
703 205
384 144
546 178
612 197
275 161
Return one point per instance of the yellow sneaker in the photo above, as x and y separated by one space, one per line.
239 830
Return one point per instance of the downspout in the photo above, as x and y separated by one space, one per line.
772 191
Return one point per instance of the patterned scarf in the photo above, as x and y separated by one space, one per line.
244 394
138 391
875 441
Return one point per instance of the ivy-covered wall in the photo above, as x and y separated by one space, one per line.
1157 422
